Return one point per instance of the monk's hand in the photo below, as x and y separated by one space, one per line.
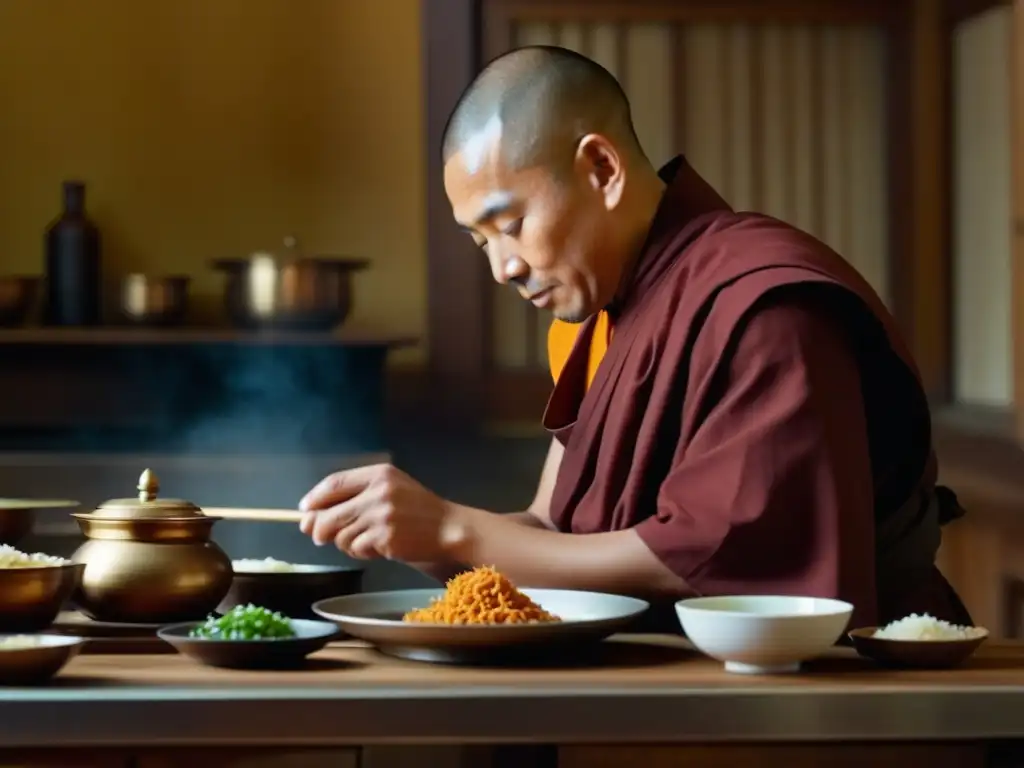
379 511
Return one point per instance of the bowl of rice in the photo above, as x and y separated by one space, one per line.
918 641
34 659
34 588
763 634
288 588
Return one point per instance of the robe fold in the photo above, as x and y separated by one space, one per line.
756 419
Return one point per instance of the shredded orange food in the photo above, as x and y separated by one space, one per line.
480 596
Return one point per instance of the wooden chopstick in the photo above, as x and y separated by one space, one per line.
255 515
37 503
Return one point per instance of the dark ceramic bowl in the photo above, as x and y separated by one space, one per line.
915 654
294 592
282 653
37 664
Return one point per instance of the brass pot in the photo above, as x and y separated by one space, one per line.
288 291
150 561
153 300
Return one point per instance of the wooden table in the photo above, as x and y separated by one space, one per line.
641 691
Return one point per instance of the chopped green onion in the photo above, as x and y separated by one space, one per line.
245 622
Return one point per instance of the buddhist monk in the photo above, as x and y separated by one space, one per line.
733 411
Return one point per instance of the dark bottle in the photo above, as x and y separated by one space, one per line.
73 264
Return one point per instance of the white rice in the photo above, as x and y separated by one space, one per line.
925 627
14 558
266 565
18 642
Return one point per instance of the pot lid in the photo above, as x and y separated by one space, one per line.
146 506
290 252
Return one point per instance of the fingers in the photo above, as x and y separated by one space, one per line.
355 528
358 540
352 509
364 546
339 487
328 523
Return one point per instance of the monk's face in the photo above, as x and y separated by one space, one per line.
551 232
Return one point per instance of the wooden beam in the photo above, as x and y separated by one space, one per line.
695 11
919 157
458 320
1017 210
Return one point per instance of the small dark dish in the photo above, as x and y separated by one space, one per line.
31 598
29 666
915 654
281 653
18 295
292 592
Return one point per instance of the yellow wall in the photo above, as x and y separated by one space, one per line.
209 128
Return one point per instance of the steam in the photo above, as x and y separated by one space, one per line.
302 408
283 400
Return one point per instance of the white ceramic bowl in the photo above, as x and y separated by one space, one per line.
763 634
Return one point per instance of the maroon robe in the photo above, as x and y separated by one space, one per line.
757 419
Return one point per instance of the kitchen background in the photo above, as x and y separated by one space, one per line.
206 130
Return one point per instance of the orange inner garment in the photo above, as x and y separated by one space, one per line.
562 337
480 596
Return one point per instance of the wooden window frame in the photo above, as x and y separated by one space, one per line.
980 446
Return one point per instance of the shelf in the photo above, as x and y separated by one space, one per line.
345 336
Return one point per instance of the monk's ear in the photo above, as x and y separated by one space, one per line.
600 164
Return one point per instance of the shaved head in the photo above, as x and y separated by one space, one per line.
541 100
543 170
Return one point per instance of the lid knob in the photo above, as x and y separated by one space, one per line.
149 485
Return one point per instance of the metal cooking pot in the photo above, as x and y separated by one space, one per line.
153 300
290 291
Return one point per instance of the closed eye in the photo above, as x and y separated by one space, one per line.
513 229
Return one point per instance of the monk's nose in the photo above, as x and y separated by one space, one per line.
512 270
